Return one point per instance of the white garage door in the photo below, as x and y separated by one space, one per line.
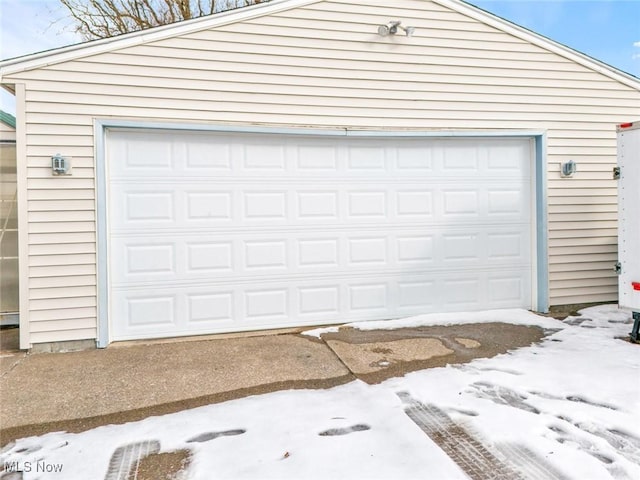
222 232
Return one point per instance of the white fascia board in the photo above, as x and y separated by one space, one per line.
64 54
541 41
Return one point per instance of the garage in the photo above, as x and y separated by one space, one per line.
293 163
229 231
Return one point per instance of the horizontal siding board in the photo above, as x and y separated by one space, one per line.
584 192
65 129
61 206
574 283
578 216
77 324
76 171
610 198
68 259
62 303
576 134
261 103
61 248
603 294
322 115
578 183
145 96
72 151
69 119
583 241
601 150
67 215
579 234
606 272
580 265
66 237
62 216
62 314
216 91
62 292
48 140
67 281
586 293
61 194
61 227
568 141
62 335
591 290
583 258
60 183
62 270
577 226
583 249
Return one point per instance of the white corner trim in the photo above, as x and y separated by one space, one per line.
102 247
23 217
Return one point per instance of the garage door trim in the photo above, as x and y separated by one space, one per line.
539 216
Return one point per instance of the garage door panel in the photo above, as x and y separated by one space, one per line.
220 155
319 301
194 205
228 255
504 290
212 206
209 257
139 315
246 305
207 308
230 232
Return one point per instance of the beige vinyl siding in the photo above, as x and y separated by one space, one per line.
323 66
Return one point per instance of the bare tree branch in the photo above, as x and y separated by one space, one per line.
106 18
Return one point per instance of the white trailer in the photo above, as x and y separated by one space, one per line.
628 173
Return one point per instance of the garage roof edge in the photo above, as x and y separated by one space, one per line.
535 38
93 47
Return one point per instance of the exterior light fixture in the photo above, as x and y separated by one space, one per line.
391 28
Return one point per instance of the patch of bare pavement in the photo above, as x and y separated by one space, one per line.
376 355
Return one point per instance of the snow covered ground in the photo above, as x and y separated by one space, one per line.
571 402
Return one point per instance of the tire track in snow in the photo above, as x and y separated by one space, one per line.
512 462
127 457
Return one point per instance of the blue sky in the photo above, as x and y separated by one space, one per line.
608 30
